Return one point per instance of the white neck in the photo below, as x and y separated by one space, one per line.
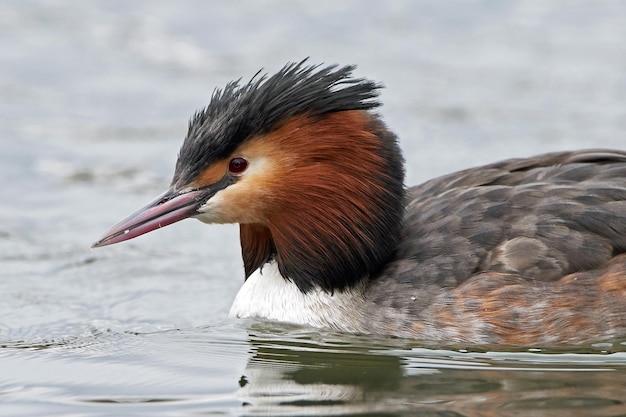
267 294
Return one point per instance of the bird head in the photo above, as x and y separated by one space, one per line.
312 176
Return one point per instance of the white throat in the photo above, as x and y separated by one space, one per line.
267 294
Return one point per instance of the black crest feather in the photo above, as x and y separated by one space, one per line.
240 112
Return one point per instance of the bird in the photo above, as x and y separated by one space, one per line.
523 252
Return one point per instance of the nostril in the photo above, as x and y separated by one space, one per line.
164 200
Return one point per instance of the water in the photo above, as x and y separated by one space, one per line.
285 371
95 100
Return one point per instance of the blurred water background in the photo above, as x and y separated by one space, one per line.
94 102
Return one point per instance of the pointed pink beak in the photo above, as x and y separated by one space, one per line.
170 207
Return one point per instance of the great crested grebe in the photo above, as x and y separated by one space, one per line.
520 252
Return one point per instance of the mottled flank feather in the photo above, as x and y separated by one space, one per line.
519 252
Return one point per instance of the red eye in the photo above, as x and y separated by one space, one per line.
237 165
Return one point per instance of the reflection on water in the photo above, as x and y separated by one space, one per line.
284 370
300 375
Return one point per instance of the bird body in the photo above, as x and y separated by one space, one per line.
520 252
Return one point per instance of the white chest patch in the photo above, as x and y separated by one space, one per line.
266 294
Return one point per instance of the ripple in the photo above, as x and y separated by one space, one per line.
126 177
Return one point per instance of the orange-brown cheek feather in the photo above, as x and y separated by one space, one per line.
339 196
329 203
250 199
256 246
320 194
244 201
211 175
